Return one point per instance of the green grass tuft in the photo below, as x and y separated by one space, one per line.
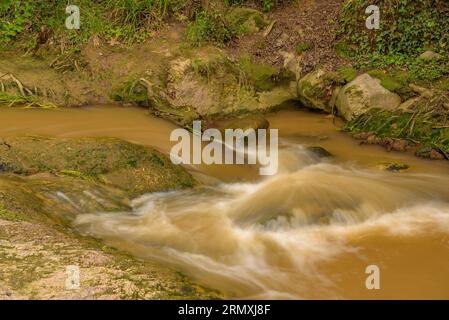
302 47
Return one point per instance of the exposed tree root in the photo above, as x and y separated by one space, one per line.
10 76
26 98
68 62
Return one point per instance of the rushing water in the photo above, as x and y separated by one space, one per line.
308 232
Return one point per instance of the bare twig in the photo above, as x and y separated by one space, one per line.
268 29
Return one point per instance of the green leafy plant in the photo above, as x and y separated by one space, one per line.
408 28
209 27
13 17
268 4
124 20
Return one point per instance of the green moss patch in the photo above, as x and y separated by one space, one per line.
219 28
343 49
347 73
407 29
134 168
302 47
10 215
394 81
209 27
245 20
259 75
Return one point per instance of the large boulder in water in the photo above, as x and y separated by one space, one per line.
211 84
115 163
244 122
362 94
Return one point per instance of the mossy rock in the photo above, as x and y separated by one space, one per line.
313 90
203 82
6 214
393 166
362 94
430 55
347 73
334 78
35 255
395 82
245 20
243 122
259 75
45 184
134 168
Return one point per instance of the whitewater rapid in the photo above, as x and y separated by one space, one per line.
271 238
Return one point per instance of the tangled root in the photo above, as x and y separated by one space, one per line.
11 77
27 98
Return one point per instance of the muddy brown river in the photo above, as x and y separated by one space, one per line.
308 232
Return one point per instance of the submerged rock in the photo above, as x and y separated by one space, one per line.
319 151
393 166
363 94
429 153
245 122
59 198
133 168
436 155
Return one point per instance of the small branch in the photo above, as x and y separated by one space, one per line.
268 29
148 85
